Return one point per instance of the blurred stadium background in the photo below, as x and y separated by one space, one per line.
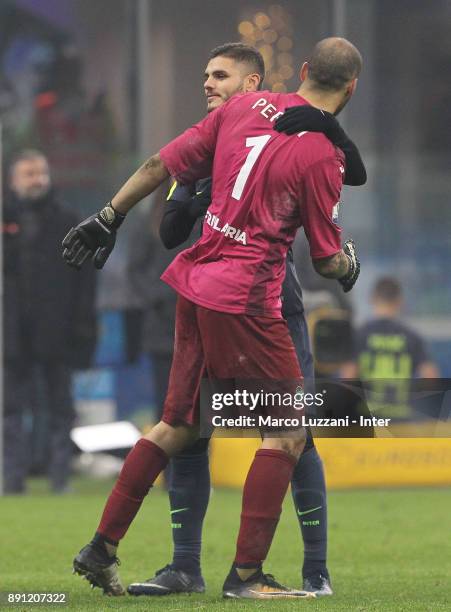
99 85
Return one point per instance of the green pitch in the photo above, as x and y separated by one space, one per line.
389 550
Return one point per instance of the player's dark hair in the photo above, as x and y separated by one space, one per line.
244 54
333 63
387 289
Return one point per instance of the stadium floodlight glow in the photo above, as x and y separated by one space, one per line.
262 20
271 32
286 72
246 28
284 43
270 36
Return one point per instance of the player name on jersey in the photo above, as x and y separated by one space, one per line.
269 111
228 230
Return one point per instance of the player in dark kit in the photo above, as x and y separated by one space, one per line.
238 68
266 184
389 355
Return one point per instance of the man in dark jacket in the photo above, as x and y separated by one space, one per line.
49 331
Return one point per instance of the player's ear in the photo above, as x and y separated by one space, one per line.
252 82
351 87
304 71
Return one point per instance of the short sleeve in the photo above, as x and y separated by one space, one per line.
189 157
180 193
320 199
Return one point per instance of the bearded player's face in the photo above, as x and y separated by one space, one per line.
224 77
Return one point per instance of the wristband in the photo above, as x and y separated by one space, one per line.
111 217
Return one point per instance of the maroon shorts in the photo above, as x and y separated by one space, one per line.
220 346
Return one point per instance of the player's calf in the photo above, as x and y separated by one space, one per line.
97 560
265 487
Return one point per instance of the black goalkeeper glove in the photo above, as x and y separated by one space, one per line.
94 237
307 118
349 279
198 204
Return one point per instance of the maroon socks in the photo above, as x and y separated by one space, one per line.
263 494
140 470
264 490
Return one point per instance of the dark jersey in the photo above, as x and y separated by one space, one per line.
389 354
386 348
180 216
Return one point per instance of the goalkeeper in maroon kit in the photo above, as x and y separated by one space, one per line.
266 184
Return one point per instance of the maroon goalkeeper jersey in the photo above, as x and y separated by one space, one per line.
265 186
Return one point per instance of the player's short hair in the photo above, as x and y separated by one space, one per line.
243 54
25 155
387 289
333 63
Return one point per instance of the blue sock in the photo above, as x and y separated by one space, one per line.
308 488
189 492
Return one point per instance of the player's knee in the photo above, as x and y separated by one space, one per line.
293 444
172 439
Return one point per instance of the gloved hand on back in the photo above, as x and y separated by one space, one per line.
305 118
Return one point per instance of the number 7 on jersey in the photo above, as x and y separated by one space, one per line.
256 143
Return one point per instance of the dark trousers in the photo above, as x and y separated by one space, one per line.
39 394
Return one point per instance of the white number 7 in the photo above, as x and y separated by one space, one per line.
257 143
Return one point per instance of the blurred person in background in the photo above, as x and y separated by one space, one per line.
388 354
232 68
49 326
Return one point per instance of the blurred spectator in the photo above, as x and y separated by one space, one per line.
49 322
389 354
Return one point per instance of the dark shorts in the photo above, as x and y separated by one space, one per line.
223 346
